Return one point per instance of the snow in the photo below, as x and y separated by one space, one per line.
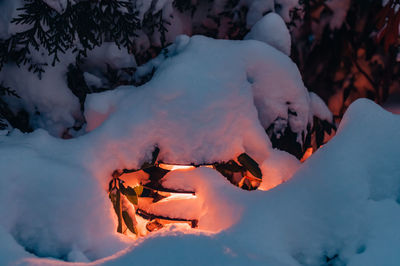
179 45
40 204
187 108
92 80
342 202
284 7
58 5
208 101
329 207
319 108
49 101
109 54
258 8
60 120
161 4
194 109
99 107
142 6
278 168
10 250
340 8
272 30
6 9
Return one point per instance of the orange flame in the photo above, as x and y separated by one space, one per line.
307 154
172 167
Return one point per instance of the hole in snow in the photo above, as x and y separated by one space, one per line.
144 204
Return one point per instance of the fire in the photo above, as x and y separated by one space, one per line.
144 203
179 196
138 197
172 167
307 154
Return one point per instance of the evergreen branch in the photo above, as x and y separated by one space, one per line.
87 23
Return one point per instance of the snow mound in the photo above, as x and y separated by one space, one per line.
208 101
258 8
195 109
319 108
340 208
45 195
272 30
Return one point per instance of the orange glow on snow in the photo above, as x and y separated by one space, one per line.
183 210
270 184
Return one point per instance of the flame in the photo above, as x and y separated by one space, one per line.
179 196
169 208
172 167
307 154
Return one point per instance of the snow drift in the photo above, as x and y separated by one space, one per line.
209 100
341 206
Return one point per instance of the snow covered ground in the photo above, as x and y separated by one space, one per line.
342 206
208 101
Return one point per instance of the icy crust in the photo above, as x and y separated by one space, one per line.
342 206
208 101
